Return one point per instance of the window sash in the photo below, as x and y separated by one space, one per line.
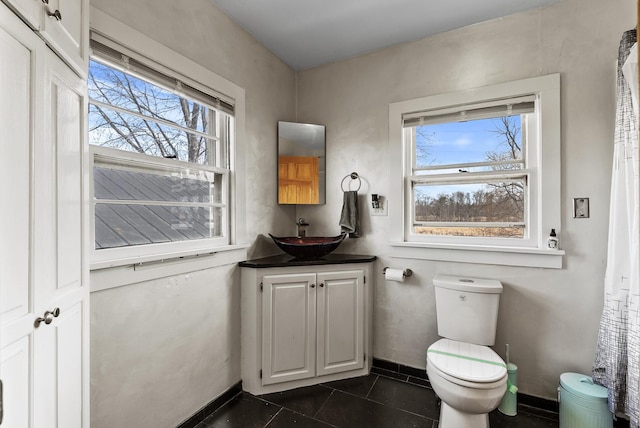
219 121
102 157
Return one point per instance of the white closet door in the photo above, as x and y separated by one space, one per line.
20 80
61 352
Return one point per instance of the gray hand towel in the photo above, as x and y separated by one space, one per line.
349 219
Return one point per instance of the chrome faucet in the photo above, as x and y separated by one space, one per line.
302 227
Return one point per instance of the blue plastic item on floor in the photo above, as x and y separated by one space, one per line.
583 404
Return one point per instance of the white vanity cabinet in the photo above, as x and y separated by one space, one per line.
63 24
305 324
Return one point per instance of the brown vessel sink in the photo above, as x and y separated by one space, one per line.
308 247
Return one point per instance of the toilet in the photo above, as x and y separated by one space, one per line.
467 375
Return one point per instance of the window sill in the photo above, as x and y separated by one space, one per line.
118 273
481 254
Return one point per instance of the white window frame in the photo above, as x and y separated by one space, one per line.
202 78
543 171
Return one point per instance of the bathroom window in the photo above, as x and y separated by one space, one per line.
480 168
160 151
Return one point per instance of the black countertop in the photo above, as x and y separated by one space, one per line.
285 260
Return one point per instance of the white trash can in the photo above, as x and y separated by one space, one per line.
583 404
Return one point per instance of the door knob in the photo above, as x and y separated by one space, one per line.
48 317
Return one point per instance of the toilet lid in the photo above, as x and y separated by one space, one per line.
466 361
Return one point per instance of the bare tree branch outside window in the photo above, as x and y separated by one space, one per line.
159 121
500 201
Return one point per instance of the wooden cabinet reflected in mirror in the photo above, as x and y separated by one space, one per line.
298 180
301 163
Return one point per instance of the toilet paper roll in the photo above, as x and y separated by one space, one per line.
396 275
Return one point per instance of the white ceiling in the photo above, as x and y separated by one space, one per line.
308 33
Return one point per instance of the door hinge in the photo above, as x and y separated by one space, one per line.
261 287
365 357
260 373
1 403
365 279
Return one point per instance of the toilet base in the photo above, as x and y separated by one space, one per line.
452 418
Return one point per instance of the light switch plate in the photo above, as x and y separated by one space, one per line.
383 207
580 207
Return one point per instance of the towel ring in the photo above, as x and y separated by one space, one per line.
353 176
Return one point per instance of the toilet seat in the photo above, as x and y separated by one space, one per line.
466 364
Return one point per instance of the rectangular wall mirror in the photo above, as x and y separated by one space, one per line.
301 163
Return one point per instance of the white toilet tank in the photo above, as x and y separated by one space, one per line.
467 308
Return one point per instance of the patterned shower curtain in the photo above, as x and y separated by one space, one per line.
617 358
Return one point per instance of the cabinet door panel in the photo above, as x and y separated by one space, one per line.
69 108
58 186
340 321
288 323
30 10
68 36
16 115
59 367
15 373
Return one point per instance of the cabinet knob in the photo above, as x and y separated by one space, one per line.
56 14
312 286
48 317
322 284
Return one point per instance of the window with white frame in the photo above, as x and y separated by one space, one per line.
160 150
480 168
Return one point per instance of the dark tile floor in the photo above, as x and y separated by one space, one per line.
382 399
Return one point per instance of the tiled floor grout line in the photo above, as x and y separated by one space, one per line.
366 397
274 416
296 412
372 385
324 402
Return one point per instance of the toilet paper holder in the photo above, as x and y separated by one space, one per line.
406 272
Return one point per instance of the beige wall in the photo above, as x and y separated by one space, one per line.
162 349
549 317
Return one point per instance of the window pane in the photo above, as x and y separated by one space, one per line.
485 140
168 186
118 225
162 129
119 89
478 209
110 128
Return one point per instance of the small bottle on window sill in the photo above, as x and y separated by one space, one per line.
552 241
